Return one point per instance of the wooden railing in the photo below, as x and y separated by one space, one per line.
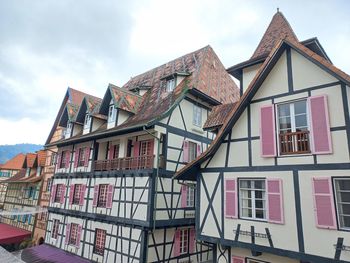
49 169
294 142
126 163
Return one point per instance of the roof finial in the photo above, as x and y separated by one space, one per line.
278 10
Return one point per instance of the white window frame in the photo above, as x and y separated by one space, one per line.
170 84
190 196
55 228
183 246
253 199
87 122
197 115
192 151
337 201
68 131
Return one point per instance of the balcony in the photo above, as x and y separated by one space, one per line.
294 142
49 169
126 163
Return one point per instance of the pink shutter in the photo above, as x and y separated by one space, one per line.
275 201
71 193
231 204
77 244
67 153
324 202
267 131
63 193
199 149
151 146
237 259
53 193
192 240
59 156
184 195
136 149
319 125
111 151
87 156
76 157
67 234
186 154
82 194
94 202
110 192
177 243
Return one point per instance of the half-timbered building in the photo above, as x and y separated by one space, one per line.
113 198
274 184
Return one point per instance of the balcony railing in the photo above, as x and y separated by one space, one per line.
294 142
49 169
126 163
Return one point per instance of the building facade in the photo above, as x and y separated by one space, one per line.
273 185
112 197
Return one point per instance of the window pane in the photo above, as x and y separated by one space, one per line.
345 196
259 184
285 123
246 212
259 213
344 184
300 107
284 110
245 184
259 204
259 194
300 121
247 203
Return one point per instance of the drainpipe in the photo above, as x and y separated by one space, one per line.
157 176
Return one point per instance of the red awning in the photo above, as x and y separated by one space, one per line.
10 234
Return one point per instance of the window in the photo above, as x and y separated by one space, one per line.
183 241
115 151
342 194
112 113
49 185
192 154
102 195
87 120
293 128
73 234
100 240
64 159
190 197
252 200
77 194
197 115
59 193
53 158
81 157
145 148
170 85
55 226
68 130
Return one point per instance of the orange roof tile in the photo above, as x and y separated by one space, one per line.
218 115
16 163
41 158
30 159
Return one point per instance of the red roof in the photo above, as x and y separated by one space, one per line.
218 115
16 163
11 234
30 159
41 158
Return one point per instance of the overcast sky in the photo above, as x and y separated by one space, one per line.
46 46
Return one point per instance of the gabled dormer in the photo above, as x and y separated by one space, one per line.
88 116
173 79
118 105
68 121
30 163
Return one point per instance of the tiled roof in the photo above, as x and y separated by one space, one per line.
125 99
16 163
247 94
20 177
278 28
30 160
76 96
93 103
218 115
72 111
41 158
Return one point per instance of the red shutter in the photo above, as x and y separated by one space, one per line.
199 149
67 234
63 193
94 202
324 202
237 259
184 195
58 164
77 244
136 149
87 156
267 131
231 204
275 201
111 151
76 157
110 192
67 153
71 193
319 125
82 194
177 243
186 153
53 193
192 240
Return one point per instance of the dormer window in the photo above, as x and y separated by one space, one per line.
87 123
112 115
170 85
27 172
197 115
68 131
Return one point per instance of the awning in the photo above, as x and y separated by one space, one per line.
47 253
10 234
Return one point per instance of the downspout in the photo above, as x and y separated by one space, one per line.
156 182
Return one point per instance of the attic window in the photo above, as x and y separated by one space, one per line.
170 85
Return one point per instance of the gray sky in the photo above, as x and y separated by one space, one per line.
46 46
